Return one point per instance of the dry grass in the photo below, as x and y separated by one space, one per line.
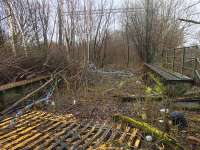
37 63
96 102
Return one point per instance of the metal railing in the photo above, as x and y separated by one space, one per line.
185 61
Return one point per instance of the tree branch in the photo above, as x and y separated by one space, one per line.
5 17
189 21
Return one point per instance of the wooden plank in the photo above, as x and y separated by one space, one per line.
47 142
115 132
7 120
49 131
133 135
138 97
124 134
45 136
11 133
137 142
36 116
52 127
105 134
18 140
162 73
187 68
75 145
27 96
60 140
81 131
16 136
25 142
87 143
21 83
182 77
22 121
168 75
20 128
36 142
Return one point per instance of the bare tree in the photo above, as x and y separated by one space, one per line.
101 24
33 18
17 18
155 26
87 26
44 10
8 11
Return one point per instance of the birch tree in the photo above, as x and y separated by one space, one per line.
8 11
18 19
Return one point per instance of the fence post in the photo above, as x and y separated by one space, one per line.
166 64
173 61
195 67
183 61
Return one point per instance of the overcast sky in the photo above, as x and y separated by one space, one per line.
192 33
194 30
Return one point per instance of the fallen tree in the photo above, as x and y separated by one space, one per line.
149 129
27 96
22 83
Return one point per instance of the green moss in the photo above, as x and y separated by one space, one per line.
149 129
158 88
166 89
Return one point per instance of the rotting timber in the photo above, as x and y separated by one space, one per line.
22 83
42 130
30 129
11 91
38 128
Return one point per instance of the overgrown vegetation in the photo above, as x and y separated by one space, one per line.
85 43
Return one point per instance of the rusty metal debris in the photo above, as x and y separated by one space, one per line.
42 130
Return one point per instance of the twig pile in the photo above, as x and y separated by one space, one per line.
19 68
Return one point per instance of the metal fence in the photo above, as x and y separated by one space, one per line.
185 61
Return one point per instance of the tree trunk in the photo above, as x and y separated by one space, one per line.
8 11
